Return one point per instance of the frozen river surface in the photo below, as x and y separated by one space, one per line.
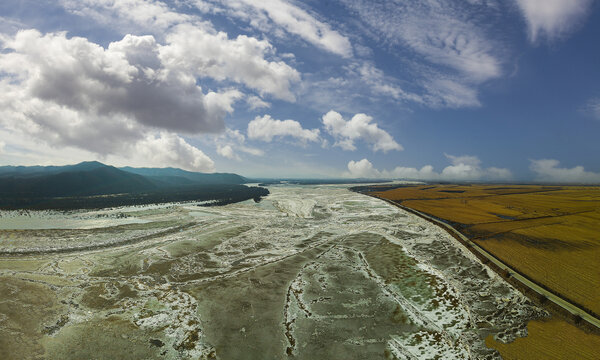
312 272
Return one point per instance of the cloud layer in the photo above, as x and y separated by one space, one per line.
285 15
70 91
151 82
130 15
462 168
592 108
552 19
548 170
446 44
232 142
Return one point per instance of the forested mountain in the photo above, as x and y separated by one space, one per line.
93 184
84 179
178 176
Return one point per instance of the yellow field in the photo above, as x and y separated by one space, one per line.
549 233
552 339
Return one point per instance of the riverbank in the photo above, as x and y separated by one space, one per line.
502 207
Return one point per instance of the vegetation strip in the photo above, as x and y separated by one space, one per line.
96 246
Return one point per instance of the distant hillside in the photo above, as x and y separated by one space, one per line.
34 171
181 177
93 184
84 179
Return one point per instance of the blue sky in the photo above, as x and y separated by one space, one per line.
482 90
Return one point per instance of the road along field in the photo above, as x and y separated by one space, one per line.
310 272
549 234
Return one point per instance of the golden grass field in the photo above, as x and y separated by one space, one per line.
549 233
553 339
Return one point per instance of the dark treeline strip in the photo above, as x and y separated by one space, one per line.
267 182
221 194
370 188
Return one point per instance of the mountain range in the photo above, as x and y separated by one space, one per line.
94 178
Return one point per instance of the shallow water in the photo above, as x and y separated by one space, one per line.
310 272
30 220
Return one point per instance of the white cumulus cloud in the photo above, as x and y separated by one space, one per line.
266 128
548 170
194 51
462 168
360 127
69 91
227 151
74 91
155 149
192 44
232 141
254 103
401 172
362 169
167 149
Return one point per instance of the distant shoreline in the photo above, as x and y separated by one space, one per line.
220 194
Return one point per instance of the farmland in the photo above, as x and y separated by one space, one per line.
552 339
547 233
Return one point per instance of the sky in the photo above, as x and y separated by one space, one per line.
439 90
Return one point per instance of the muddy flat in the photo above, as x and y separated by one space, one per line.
310 272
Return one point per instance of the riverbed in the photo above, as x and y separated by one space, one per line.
310 272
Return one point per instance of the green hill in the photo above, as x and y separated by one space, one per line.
84 179
93 184
181 177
